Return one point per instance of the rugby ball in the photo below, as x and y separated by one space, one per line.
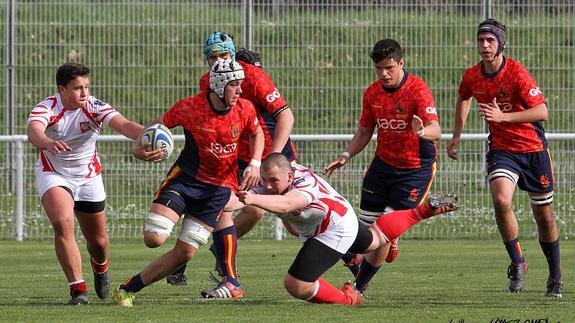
159 137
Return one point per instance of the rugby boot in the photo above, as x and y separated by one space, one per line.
516 274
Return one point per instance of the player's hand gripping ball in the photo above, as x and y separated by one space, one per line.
159 137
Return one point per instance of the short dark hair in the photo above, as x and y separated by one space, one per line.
69 71
386 48
276 159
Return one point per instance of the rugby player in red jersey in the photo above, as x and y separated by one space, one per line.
276 120
201 181
514 107
402 109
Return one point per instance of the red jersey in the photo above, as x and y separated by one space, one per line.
391 112
515 91
210 154
259 88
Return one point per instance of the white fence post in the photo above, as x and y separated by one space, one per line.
19 190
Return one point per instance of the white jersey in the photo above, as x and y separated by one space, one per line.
79 129
326 208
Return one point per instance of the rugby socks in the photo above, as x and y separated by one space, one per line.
551 252
133 284
395 223
97 267
180 270
226 246
326 293
365 274
78 287
348 257
514 251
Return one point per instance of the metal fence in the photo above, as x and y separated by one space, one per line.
147 54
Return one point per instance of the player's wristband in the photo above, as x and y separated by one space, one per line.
255 163
346 154
421 132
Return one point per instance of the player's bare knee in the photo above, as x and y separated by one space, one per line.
291 285
63 226
157 230
101 241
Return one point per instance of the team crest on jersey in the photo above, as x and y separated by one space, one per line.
235 131
503 93
84 126
399 110
544 180
413 195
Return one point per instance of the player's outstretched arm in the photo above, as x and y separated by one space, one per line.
39 139
252 172
126 127
279 204
360 139
140 150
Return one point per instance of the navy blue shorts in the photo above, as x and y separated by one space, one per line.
183 193
534 170
400 189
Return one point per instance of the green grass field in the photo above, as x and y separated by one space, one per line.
432 281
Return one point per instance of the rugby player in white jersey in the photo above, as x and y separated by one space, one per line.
64 128
327 225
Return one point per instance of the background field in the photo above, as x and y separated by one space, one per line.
431 281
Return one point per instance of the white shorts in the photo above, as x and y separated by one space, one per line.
83 189
341 232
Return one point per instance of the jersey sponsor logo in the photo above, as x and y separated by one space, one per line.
99 102
505 106
222 150
298 181
200 127
535 92
273 96
431 110
391 124
84 126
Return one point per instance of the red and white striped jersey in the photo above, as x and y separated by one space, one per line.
79 129
325 208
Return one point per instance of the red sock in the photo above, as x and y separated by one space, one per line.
78 287
394 224
328 294
99 268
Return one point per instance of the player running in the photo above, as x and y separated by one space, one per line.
402 109
276 120
64 127
514 107
200 183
